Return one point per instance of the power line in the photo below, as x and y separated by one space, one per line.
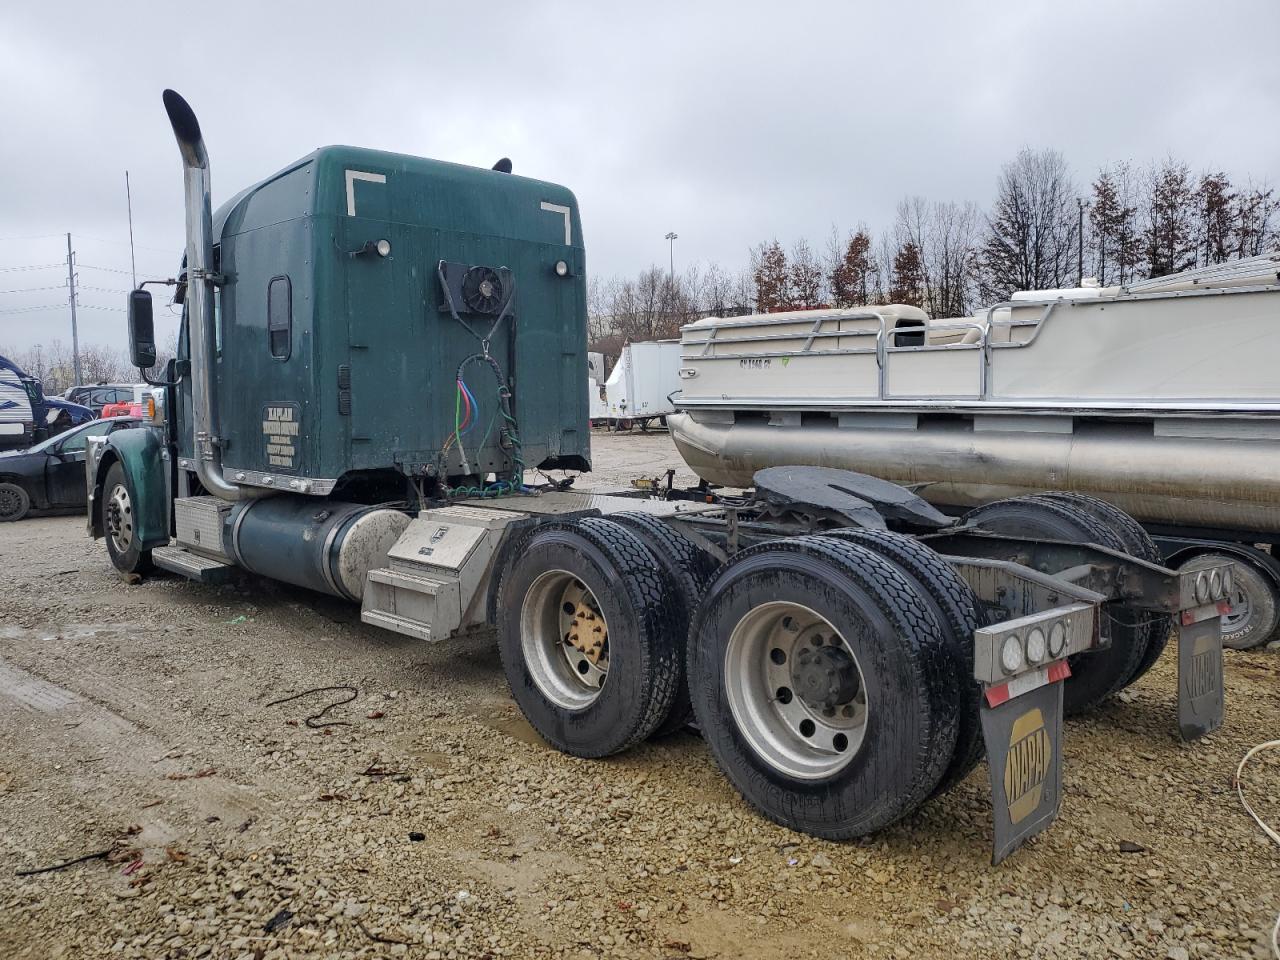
61 286
82 236
56 306
85 286
125 243
94 306
89 266
33 266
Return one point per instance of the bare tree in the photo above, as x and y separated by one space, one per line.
944 236
743 292
99 364
1215 203
166 351
51 363
722 294
1113 217
1255 208
886 253
1032 230
942 256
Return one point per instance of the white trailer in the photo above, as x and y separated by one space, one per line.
640 387
597 406
17 423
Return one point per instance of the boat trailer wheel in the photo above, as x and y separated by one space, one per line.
795 689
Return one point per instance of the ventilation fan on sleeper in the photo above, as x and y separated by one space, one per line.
482 290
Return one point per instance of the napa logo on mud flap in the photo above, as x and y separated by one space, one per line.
281 423
1028 764
1203 678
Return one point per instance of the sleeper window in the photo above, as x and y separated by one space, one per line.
280 317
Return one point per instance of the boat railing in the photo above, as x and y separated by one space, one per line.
814 338
1009 325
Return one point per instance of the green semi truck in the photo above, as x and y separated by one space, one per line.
378 352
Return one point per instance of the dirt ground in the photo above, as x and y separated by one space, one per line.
433 823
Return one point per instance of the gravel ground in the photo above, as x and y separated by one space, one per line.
433 823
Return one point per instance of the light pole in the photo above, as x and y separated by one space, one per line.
671 239
1080 207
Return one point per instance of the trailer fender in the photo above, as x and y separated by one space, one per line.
138 450
1258 577
1177 551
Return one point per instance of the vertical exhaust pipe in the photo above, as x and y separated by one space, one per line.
200 283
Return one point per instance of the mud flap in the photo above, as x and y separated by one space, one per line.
1200 694
1024 757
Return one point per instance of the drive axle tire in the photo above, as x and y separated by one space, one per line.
14 502
1137 543
959 614
119 524
586 638
688 570
1100 673
823 685
1254 607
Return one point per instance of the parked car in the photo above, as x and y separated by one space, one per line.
98 395
27 416
49 477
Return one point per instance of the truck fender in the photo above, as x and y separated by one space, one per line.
138 450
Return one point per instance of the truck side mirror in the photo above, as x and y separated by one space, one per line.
142 332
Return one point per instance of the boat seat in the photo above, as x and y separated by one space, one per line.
955 335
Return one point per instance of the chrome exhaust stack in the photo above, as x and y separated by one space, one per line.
200 283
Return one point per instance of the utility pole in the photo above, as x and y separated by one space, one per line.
133 264
1080 205
71 285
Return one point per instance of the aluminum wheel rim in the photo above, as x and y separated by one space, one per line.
120 518
789 733
559 617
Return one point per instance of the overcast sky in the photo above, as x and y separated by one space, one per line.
729 123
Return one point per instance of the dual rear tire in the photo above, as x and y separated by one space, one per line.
588 637
824 686
818 669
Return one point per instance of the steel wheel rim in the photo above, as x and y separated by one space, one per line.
1237 617
10 503
765 685
120 518
560 617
